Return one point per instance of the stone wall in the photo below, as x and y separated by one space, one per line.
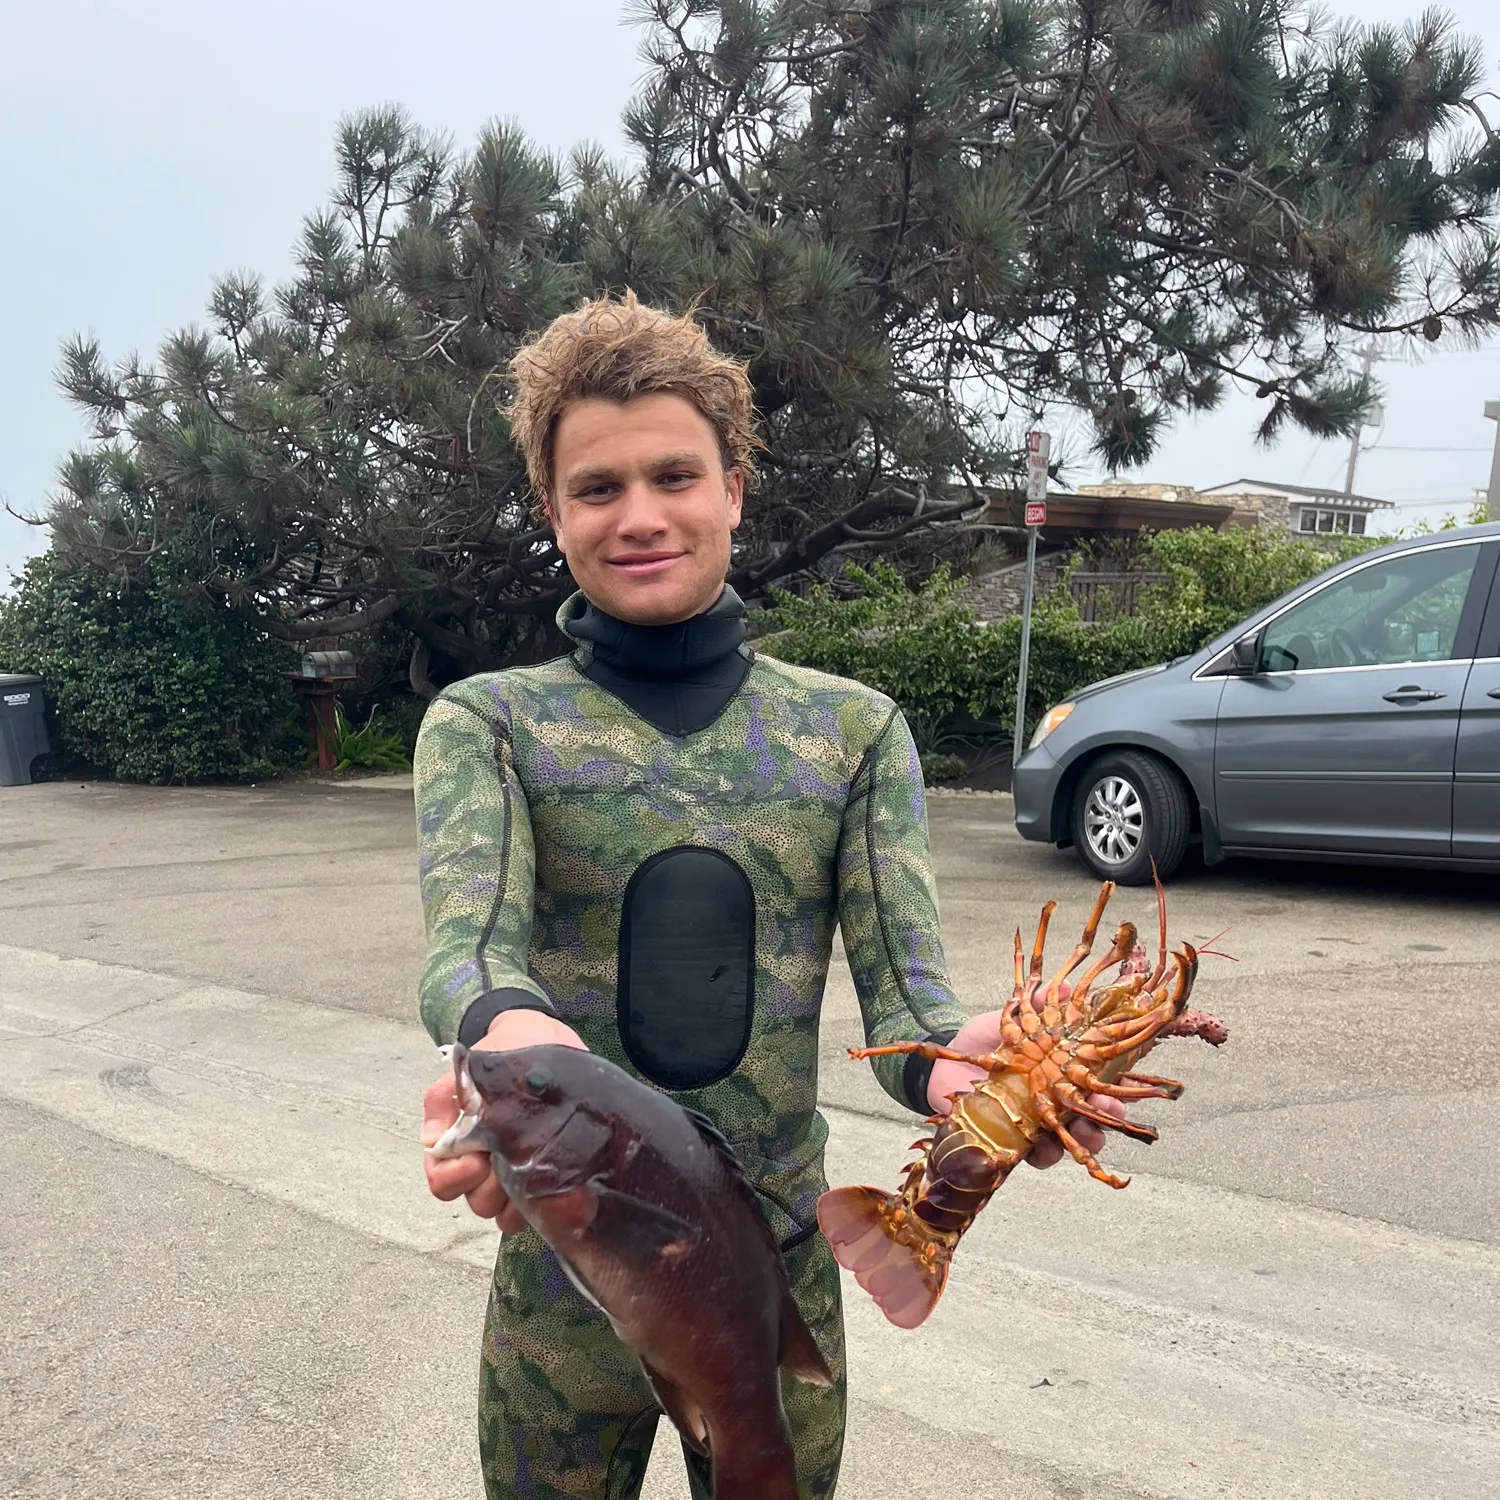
1254 509
1001 593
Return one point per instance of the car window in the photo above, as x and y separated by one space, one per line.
1406 609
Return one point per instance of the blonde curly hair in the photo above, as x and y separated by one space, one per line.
619 349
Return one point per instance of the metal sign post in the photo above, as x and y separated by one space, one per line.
1038 449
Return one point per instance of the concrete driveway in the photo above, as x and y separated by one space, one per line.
220 1274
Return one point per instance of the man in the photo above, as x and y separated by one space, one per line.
643 849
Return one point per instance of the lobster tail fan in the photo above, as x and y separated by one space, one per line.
864 1242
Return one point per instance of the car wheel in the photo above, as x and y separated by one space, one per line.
1131 809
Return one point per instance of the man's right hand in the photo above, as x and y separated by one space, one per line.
471 1176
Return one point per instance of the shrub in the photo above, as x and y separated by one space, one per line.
923 648
400 715
936 769
1217 578
150 682
374 747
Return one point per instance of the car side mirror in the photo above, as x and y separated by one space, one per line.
1245 654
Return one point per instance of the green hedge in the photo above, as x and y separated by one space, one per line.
152 682
955 678
155 683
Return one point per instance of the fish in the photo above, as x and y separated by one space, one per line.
650 1214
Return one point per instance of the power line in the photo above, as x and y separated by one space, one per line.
1468 498
1399 448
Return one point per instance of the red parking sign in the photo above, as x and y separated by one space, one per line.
1036 512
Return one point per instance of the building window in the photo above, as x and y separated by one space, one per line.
1331 522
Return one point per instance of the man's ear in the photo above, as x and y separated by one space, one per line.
734 490
550 508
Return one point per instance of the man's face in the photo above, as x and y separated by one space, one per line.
643 507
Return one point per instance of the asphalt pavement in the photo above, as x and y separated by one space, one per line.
220 1274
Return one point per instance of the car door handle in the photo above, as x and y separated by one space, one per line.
1493 693
1413 695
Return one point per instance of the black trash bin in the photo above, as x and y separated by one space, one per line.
23 728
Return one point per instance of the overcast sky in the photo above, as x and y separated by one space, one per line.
148 148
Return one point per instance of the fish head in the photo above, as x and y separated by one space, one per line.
513 1103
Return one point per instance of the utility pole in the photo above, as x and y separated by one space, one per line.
1492 495
1367 358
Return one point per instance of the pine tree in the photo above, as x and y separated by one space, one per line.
921 223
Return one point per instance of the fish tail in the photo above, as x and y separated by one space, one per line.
902 1269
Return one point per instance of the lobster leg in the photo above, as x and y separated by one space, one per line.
1133 1040
1075 1148
1012 1025
1131 1032
1040 943
1118 953
1161 912
1085 1111
1151 1078
926 1049
1027 1021
1078 1075
1085 943
1126 1092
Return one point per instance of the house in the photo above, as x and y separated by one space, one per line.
1303 508
1105 519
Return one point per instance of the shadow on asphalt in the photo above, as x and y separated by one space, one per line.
1329 878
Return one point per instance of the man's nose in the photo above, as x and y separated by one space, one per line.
642 513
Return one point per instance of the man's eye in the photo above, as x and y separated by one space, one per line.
678 479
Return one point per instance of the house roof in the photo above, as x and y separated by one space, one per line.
1324 494
1070 513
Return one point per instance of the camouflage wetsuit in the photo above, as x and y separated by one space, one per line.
654 838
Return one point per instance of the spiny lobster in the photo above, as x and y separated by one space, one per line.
1056 1048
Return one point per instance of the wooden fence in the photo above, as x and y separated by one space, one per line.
1108 596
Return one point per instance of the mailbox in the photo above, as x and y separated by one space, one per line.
317 684
329 666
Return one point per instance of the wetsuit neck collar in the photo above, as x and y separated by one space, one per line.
686 649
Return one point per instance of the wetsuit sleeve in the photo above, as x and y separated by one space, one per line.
889 915
478 874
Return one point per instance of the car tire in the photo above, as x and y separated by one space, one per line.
1130 810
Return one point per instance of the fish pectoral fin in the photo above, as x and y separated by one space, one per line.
800 1355
678 1405
633 1227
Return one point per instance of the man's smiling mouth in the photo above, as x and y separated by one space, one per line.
646 563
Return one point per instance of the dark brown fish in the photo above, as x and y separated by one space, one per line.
649 1213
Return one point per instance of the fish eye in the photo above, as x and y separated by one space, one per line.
537 1080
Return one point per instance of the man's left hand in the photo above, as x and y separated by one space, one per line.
981 1034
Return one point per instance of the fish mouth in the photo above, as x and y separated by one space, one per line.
467 1135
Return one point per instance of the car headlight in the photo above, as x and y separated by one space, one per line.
1050 720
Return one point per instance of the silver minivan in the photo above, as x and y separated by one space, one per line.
1356 719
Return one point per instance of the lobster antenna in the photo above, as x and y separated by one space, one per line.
1209 951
